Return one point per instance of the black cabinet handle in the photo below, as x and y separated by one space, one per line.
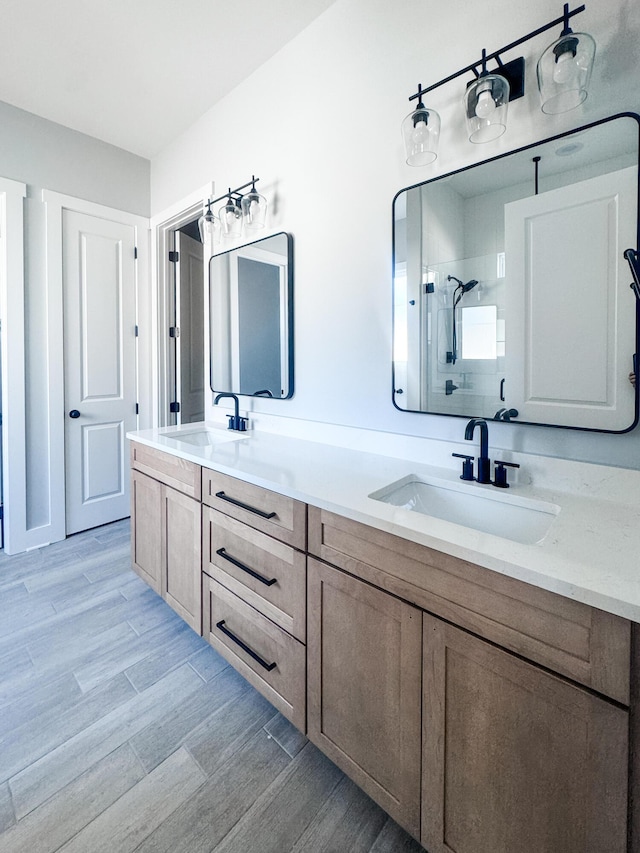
245 647
223 553
252 509
74 413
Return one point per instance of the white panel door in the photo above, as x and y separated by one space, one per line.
190 321
100 369
570 318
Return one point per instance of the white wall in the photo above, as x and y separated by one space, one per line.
49 156
320 124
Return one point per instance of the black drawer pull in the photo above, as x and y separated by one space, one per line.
252 509
223 553
261 661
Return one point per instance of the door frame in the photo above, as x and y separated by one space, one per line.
162 227
12 195
55 203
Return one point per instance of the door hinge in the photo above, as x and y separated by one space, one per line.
137 408
174 257
174 408
174 332
137 330
135 253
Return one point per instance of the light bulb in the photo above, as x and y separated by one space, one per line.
565 70
420 133
486 106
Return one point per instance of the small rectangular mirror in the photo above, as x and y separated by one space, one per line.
511 290
251 318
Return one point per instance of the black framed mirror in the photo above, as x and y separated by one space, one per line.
511 290
251 318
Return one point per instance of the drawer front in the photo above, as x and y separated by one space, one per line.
269 658
266 573
583 643
275 514
180 474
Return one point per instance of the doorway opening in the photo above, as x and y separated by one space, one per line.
181 336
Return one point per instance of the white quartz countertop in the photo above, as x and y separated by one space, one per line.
591 552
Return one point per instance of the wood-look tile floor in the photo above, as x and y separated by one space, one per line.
121 730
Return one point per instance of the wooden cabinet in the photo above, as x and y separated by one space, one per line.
269 658
364 677
166 530
515 758
254 582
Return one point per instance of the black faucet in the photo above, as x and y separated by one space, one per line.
484 463
235 421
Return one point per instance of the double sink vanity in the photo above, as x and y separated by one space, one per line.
466 654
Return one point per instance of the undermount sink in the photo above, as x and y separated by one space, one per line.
205 437
483 508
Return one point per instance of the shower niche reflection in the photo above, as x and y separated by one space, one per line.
511 292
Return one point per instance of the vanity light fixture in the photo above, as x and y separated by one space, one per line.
209 227
486 103
240 210
564 69
486 100
230 216
421 132
254 208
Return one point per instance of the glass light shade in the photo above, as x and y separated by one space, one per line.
254 210
564 71
421 133
230 216
209 228
486 103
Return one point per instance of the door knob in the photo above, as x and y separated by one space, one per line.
74 413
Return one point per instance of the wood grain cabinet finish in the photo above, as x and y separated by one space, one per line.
146 528
277 515
268 574
269 658
364 680
181 562
583 643
166 534
179 474
516 759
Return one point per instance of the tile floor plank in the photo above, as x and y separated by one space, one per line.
136 814
280 815
7 816
53 771
159 739
38 737
62 816
204 820
286 734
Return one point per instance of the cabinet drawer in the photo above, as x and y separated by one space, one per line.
266 573
571 638
269 658
275 514
180 474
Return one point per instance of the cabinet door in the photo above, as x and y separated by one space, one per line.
516 759
146 528
364 676
181 562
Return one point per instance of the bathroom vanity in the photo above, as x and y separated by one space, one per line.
482 690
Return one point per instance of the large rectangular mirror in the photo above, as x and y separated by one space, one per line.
511 291
251 318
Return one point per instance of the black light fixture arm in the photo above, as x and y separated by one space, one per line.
486 57
236 192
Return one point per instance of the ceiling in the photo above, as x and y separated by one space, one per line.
136 73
